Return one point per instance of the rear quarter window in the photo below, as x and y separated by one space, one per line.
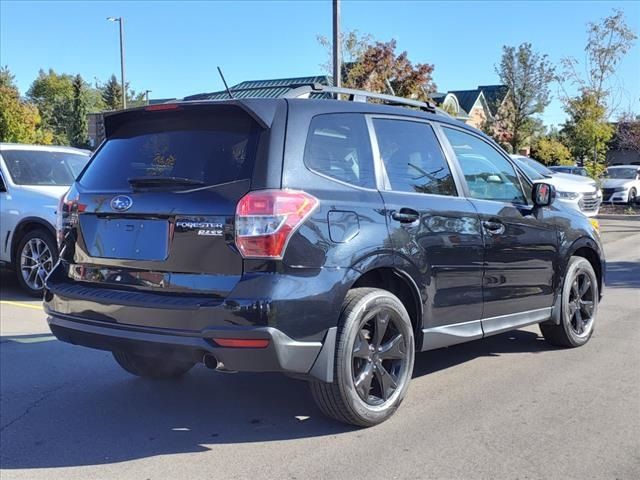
209 146
338 146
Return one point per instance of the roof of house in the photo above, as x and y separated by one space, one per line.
494 95
466 98
262 88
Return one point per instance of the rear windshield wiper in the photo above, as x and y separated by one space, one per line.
159 182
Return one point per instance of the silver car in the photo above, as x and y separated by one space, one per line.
33 178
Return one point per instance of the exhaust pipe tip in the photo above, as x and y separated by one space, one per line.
210 361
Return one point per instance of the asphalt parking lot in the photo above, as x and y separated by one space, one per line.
507 407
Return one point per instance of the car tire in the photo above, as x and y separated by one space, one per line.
151 367
375 344
579 306
633 197
35 257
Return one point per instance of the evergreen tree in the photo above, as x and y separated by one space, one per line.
112 94
78 127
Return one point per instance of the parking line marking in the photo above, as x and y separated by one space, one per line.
42 338
20 304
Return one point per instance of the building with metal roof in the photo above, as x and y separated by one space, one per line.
263 88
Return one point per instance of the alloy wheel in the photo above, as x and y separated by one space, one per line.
36 261
581 304
379 357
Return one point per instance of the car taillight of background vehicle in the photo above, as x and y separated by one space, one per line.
266 220
67 215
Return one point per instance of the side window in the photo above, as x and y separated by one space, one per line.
488 174
3 187
338 146
413 158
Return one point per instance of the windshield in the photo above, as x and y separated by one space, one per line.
175 150
529 171
628 173
537 166
38 167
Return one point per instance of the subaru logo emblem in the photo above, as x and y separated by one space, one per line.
121 203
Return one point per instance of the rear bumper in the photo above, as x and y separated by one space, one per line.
283 354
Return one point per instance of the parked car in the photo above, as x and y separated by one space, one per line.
32 180
571 170
546 171
327 239
571 190
621 184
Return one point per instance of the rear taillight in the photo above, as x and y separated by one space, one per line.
67 215
266 219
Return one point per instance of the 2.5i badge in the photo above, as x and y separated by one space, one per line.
209 229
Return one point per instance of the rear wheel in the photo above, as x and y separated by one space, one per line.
151 367
374 360
35 257
579 306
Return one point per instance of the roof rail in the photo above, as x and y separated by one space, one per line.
357 95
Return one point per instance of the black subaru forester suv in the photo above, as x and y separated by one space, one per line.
326 239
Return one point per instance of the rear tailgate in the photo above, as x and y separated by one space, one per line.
155 207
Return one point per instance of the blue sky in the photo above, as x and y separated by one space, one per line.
172 48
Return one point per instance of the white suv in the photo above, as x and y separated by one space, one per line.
33 178
575 191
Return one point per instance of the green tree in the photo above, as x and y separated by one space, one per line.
19 120
550 151
111 94
588 129
78 127
52 93
527 76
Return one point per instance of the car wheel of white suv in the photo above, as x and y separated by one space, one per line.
35 257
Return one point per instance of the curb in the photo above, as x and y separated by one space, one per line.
618 216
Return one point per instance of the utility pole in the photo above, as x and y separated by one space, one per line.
120 21
337 61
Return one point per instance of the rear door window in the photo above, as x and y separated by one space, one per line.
338 146
208 146
413 158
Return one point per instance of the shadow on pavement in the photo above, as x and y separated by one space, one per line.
93 413
9 288
623 275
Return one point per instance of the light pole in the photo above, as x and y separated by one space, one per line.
120 20
146 95
337 74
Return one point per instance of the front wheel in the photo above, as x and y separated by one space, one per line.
373 362
151 367
35 257
579 305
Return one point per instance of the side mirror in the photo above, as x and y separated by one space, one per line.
543 194
494 179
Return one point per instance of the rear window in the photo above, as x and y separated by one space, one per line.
338 146
213 146
38 167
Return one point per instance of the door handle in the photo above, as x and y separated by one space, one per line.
492 227
406 215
